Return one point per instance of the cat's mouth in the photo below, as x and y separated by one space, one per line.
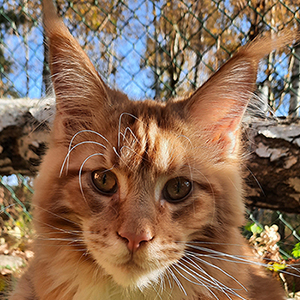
133 273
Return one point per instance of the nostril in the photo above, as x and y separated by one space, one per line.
123 238
134 240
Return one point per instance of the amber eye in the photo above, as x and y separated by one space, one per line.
177 189
105 182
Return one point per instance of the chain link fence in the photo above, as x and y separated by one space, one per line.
151 49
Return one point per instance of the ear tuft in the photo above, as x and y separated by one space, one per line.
79 90
219 105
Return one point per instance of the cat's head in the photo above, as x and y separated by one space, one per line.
141 181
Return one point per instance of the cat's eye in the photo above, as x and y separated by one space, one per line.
177 189
105 182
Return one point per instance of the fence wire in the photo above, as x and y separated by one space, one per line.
150 49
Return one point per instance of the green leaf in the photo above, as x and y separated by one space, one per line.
276 267
296 250
256 228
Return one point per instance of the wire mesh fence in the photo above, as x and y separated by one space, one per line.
150 49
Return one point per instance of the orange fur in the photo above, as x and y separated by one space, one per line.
191 249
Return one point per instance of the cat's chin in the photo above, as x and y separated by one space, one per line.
133 277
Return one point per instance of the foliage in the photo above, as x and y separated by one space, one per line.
296 251
15 229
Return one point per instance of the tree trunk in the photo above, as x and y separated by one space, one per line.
295 78
46 73
24 132
272 174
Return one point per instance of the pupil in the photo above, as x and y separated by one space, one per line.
104 179
176 189
178 185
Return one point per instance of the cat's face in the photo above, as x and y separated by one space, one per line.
134 186
141 186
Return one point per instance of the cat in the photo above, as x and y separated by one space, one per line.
142 199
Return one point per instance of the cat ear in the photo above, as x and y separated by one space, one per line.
219 105
78 87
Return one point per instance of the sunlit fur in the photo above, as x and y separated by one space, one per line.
196 250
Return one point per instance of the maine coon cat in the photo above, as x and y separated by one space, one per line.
140 199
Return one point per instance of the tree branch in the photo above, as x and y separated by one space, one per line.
24 133
272 174
273 177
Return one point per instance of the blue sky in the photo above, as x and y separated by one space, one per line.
125 49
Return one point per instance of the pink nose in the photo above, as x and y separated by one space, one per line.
134 240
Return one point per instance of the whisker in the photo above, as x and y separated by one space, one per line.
142 157
200 283
59 239
209 243
66 248
119 156
214 283
120 121
176 279
219 284
70 150
170 285
55 215
134 136
156 291
256 180
54 227
7 206
84 131
218 268
161 286
239 259
211 280
80 173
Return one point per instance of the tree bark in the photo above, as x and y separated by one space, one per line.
273 165
295 82
272 172
24 133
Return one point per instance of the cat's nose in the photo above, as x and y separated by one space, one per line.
133 240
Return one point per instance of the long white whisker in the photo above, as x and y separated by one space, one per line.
131 132
214 283
238 259
87 130
60 239
222 256
83 131
80 172
212 280
171 283
189 271
225 289
120 121
66 160
126 147
218 268
61 230
56 215
119 156
176 279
